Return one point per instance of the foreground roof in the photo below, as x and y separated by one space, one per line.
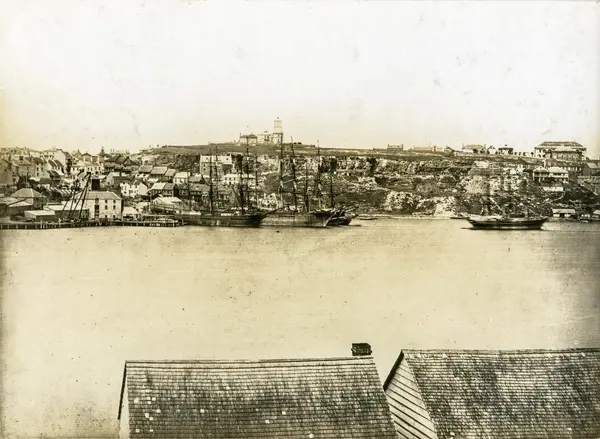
340 398
496 394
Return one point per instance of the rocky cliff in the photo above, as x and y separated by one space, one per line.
423 185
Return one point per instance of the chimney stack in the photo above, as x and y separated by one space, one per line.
361 349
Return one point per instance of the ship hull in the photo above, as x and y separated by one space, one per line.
297 219
216 220
508 223
341 220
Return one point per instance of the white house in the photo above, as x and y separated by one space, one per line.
181 177
129 189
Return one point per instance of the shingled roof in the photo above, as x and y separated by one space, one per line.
496 394
321 398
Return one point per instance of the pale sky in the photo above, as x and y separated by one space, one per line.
127 74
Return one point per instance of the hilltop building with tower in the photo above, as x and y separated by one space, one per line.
274 138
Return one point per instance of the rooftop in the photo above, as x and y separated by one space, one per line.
26 193
102 195
337 397
557 170
158 170
560 144
145 169
502 394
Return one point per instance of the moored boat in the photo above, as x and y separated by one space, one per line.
342 218
282 218
508 217
221 219
214 217
364 217
297 212
507 223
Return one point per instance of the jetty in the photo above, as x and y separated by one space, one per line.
81 224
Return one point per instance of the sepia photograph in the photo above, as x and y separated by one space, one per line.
237 219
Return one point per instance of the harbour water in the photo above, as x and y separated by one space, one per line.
77 303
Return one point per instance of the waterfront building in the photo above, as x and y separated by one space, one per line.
168 203
11 206
456 394
68 210
564 213
39 215
29 195
130 213
308 398
102 204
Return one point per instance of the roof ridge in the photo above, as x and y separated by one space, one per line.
250 361
502 351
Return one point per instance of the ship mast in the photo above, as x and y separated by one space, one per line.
331 182
256 180
318 177
281 173
294 178
217 178
241 164
246 183
210 181
306 197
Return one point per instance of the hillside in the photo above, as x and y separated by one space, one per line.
408 183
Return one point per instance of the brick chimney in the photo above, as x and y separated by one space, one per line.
361 349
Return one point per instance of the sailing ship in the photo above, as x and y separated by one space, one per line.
297 214
504 220
216 216
342 216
